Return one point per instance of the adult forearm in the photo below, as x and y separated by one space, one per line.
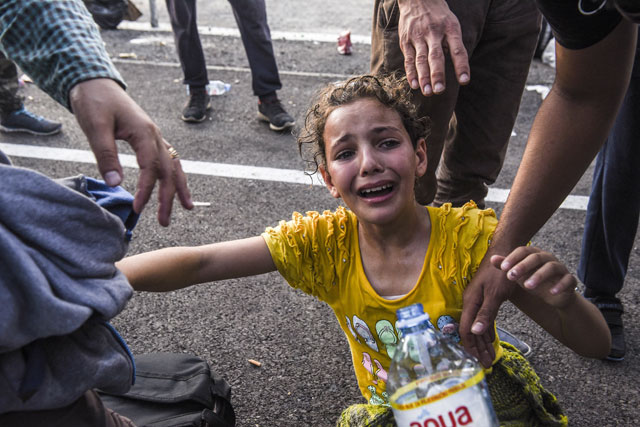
569 129
560 148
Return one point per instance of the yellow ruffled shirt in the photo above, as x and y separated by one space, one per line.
320 254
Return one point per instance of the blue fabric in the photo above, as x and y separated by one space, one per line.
116 200
614 203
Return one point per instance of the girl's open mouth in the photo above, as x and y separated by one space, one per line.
376 191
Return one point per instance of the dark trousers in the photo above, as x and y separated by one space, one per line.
9 99
251 18
471 125
614 204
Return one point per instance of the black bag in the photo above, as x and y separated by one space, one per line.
172 390
107 13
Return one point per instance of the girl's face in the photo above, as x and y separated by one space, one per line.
371 163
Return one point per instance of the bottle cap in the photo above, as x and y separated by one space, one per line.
411 316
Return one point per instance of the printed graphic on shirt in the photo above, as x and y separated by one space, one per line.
389 336
385 332
376 399
351 329
449 327
363 330
378 373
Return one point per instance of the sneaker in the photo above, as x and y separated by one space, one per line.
611 309
195 110
509 338
270 110
25 121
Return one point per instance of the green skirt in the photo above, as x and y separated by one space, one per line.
517 395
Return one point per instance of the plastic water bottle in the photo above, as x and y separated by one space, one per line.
217 87
433 382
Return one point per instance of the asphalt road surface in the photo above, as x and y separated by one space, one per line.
306 377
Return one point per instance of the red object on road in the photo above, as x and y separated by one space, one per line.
344 43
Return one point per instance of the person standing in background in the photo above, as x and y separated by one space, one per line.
14 117
251 17
463 73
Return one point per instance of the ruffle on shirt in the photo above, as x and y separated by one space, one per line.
310 251
466 224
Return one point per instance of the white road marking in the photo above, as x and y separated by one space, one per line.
496 195
233 32
225 68
543 90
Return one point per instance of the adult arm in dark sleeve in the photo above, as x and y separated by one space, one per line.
569 129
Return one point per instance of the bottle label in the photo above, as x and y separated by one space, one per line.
463 404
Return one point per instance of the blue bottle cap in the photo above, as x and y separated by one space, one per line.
411 316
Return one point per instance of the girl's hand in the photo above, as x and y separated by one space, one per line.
539 273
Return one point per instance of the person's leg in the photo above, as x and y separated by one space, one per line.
182 14
251 18
486 109
612 214
387 57
9 99
13 116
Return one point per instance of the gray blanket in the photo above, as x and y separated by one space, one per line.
58 286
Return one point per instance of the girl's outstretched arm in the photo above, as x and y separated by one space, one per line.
175 268
547 295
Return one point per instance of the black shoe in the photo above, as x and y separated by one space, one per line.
509 338
196 108
611 309
270 110
25 121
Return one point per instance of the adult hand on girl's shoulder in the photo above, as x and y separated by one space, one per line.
539 273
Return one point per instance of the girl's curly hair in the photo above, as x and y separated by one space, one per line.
391 90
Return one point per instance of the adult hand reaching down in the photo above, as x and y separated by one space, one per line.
105 113
482 299
427 29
